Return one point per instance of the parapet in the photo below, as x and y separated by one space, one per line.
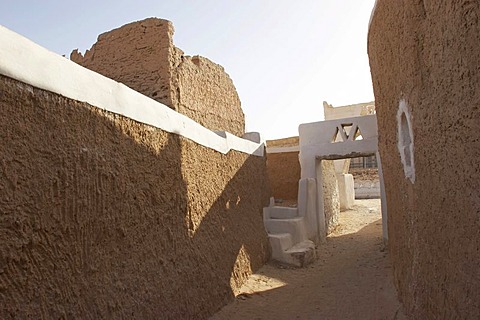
354 110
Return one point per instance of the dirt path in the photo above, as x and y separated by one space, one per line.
350 280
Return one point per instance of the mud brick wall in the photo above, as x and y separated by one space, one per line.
105 217
427 53
284 173
142 56
206 94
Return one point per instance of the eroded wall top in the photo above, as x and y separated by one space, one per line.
354 110
284 142
142 56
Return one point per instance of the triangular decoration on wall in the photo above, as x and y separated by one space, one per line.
347 128
335 135
358 134
347 132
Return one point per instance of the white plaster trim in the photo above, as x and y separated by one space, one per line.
25 61
408 169
283 149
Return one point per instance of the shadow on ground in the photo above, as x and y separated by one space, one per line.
350 280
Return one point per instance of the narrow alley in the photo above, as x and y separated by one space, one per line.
352 278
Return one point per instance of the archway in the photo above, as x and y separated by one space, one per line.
332 140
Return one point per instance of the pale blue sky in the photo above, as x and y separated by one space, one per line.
285 57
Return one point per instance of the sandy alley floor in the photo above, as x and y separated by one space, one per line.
350 280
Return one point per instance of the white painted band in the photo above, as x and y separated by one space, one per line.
25 61
283 149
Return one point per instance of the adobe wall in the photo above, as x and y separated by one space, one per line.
284 174
206 94
425 57
283 169
106 217
142 56
284 142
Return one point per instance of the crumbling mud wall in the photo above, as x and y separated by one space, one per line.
105 217
142 56
425 64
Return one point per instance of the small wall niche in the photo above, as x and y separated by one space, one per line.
405 140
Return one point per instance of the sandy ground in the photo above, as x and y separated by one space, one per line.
350 280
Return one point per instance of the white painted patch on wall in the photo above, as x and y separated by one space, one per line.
405 140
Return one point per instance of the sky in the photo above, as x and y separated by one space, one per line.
285 57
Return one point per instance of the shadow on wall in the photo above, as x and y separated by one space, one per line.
100 215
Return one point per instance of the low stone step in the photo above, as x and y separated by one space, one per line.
301 254
295 227
283 212
280 244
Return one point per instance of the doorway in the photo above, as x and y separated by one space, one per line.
338 139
